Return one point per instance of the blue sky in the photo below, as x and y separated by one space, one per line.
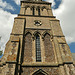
61 9
14 5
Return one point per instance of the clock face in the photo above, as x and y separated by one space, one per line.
37 23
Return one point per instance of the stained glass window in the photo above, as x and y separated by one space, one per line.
38 51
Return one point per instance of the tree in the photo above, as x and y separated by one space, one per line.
1 53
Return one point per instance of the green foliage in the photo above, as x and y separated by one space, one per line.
1 53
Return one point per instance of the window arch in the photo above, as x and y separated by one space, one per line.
38 49
33 10
44 11
43 8
28 47
27 10
49 52
38 8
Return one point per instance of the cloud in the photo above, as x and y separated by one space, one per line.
6 23
52 1
5 5
17 2
66 14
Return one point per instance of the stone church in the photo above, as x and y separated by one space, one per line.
37 45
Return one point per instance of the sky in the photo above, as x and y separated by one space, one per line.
64 10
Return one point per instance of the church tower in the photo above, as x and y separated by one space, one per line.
37 45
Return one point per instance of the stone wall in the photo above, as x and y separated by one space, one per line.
46 45
8 69
49 52
47 70
27 9
28 48
65 69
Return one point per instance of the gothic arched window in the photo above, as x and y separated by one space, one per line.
38 50
28 11
44 12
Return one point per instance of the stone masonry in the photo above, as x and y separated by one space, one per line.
36 18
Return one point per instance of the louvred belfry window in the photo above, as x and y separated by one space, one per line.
33 11
38 50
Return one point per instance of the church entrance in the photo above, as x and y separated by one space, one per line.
40 72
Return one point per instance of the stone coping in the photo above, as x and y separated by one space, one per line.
35 16
45 63
40 64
